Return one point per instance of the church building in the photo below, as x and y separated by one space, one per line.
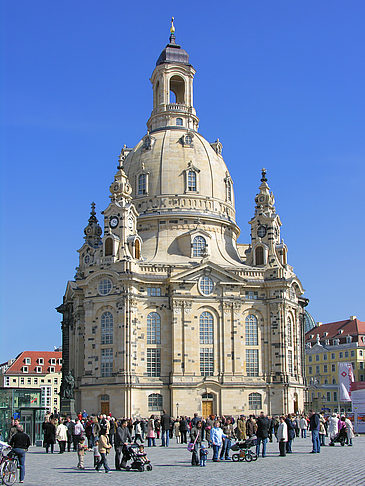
167 310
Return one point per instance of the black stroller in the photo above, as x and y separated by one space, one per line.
340 438
139 460
245 454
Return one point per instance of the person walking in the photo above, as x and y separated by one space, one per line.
314 425
49 435
104 447
241 428
216 438
282 436
81 448
349 431
20 442
122 437
165 428
322 430
196 437
183 430
61 436
251 426
70 432
227 441
291 433
262 433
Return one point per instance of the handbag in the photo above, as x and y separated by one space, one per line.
191 445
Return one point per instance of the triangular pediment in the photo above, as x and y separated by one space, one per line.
208 268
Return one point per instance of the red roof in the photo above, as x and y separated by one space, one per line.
350 327
35 361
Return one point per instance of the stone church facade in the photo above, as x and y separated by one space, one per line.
167 310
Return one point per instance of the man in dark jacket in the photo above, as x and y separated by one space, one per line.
314 426
262 433
165 428
122 436
20 442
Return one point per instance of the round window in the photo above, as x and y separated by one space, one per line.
87 259
105 286
206 285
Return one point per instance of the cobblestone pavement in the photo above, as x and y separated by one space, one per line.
335 466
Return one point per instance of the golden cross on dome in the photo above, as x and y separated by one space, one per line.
172 29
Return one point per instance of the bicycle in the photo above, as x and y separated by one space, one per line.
8 465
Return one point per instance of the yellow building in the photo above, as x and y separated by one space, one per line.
326 346
36 369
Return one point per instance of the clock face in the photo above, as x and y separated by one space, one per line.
130 222
113 222
261 232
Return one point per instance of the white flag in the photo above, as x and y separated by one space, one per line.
345 378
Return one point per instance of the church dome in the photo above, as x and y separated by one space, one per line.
178 171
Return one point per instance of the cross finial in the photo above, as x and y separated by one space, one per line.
263 173
92 209
172 31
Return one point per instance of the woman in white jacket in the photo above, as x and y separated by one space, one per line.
332 426
61 436
282 436
349 431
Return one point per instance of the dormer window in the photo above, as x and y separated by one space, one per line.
40 361
25 369
27 361
199 246
52 361
60 361
52 369
179 122
191 180
38 369
348 339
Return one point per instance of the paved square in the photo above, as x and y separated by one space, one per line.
339 466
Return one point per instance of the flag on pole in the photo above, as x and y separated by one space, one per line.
345 378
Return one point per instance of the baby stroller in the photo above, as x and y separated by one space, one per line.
341 437
139 460
244 453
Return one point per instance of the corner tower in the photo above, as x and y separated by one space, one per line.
172 82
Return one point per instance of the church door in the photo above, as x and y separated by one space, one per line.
207 408
104 408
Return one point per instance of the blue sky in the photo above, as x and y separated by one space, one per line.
280 83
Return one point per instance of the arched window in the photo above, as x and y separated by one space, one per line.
206 328
188 140
109 247
142 184
199 246
155 402
179 122
254 401
229 191
207 396
137 249
107 328
251 330
259 255
290 332
177 90
191 180
153 328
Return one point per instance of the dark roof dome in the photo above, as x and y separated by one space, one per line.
309 322
173 52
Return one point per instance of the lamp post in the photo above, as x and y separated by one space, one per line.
177 410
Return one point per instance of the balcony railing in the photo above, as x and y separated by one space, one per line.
177 107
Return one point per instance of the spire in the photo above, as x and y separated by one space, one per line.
263 173
93 230
264 199
172 31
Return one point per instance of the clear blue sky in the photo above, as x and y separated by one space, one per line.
280 83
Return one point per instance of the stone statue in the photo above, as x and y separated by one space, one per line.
68 386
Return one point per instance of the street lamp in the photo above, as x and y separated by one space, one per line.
177 410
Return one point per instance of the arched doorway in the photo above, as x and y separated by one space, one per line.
295 402
207 404
104 404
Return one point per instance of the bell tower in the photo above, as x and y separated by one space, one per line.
172 82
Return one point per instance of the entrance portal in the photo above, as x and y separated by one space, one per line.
207 404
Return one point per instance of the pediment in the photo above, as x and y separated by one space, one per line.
211 269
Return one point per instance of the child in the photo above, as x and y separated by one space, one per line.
81 448
203 456
97 456
141 454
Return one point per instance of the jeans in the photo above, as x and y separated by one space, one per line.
264 442
304 433
321 439
165 438
315 441
215 452
225 448
20 453
288 446
151 440
102 462
183 436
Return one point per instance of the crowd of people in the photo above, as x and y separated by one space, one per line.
99 433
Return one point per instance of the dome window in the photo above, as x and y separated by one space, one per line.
199 246
179 122
259 254
142 184
191 180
